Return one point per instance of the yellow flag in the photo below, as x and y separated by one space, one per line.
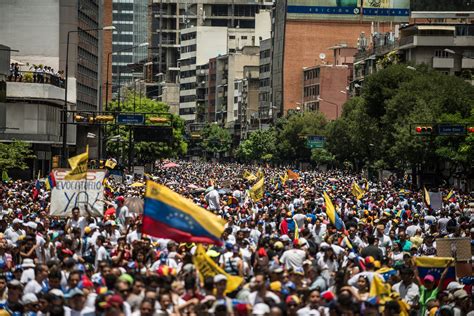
450 194
260 174
249 176
110 163
256 192
379 289
427 197
284 178
78 166
208 269
357 191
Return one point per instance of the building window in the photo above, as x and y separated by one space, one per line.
440 53
243 37
231 37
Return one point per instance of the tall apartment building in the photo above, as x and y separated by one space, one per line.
170 17
130 17
305 31
201 43
265 106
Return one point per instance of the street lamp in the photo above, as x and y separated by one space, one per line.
333 103
64 146
108 64
452 52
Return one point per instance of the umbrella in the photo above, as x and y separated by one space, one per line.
134 204
198 190
137 184
192 186
173 183
224 191
170 165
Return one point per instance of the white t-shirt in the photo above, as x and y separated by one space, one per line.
32 287
293 258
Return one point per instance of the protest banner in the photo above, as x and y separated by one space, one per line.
68 194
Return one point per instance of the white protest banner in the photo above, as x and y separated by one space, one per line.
68 194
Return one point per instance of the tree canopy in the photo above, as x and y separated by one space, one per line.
14 155
216 139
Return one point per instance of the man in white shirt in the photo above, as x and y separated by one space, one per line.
407 289
36 285
293 258
77 221
101 252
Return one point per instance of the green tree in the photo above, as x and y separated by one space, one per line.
216 139
321 156
14 155
292 134
145 151
260 145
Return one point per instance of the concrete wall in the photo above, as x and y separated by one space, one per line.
263 26
304 41
333 80
32 27
210 42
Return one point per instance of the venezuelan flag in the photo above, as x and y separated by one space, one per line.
50 182
332 214
435 267
169 215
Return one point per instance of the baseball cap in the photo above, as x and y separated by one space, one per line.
15 283
460 294
75 291
260 309
56 292
29 298
454 286
429 278
219 278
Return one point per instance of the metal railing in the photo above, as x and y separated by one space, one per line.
36 77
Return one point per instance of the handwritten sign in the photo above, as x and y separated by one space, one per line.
68 194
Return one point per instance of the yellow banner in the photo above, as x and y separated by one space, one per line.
260 174
427 196
256 192
78 166
249 176
208 269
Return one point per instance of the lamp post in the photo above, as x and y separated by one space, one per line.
333 103
64 145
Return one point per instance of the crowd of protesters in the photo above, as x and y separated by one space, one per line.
292 260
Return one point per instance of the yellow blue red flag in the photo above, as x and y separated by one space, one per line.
332 214
169 215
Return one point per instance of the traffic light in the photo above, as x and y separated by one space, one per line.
424 130
104 118
156 119
80 118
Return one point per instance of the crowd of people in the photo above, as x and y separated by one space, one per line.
39 74
291 259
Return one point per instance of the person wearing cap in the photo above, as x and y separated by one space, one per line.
462 303
293 258
15 292
428 290
30 304
76 304
220 284
13 232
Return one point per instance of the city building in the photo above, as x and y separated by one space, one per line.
231 69
201 43
265 105
170 18
324 89
304 33
446 47
130 17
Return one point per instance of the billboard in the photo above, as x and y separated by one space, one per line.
349 10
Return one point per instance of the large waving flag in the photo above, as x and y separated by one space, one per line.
284 178
169 215
78 166
450 194
435 267
357 190
332 214
379 290
256 192
260 174
292 175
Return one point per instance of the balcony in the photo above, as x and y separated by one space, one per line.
426 40
467 63
443 62
32 86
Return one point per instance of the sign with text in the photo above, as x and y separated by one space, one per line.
68 194
315 142
130 119
367 10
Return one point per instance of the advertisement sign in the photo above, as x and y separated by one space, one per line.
350 10
68 194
